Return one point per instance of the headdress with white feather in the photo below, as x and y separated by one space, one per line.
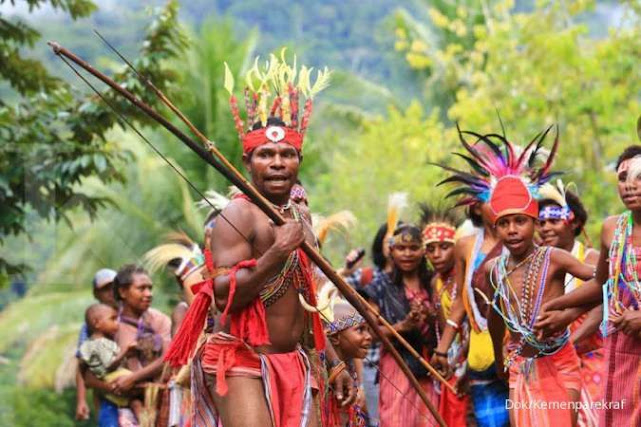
181 254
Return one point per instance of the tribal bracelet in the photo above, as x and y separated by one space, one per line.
440 353
331 364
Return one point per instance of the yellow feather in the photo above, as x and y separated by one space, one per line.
158 257
343 219
229 80
550 192
395 204
322 82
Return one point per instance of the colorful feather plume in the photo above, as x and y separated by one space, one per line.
491 157
438 213
556 193
274 89
340 220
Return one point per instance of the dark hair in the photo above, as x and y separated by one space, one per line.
125 278
630 152
377 247
424 274
476 218
425 279
271 121
575 205
91 315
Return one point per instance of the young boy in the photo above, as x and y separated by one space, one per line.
103 292
544 375
349 334
439 233
101 354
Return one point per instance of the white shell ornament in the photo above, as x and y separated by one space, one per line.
275 133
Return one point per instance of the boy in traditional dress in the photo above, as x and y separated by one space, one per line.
544 376
439 231
349 334
471 254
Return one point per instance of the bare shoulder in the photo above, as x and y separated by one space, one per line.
559 254
237 216
464 245
607 231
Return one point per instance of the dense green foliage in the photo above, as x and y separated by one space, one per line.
53 137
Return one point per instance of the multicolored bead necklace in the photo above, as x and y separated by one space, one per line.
520 315
622 270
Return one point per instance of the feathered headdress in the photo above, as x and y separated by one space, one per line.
340 220
337 314
557 194
395 205
274 91
501 174
438 224
181 254
217 202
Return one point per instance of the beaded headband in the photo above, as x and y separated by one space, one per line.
556 212
439 232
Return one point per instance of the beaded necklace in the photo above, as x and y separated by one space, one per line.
622 269
278 285
520 315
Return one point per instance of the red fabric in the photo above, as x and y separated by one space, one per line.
367 275
227 354
185 340
249 324
453 408
261 136
317 325
287 373
622 386
438 232
546 382
511 196
399 403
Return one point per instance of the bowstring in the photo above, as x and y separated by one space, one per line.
219 212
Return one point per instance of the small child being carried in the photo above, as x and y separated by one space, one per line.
103 357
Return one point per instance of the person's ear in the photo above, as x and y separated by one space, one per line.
333 339
247 157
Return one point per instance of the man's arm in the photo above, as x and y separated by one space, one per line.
82 409
230 246
91 381
589 326
496 327
573 266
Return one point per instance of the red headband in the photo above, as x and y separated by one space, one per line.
258 137
438 232
512 196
